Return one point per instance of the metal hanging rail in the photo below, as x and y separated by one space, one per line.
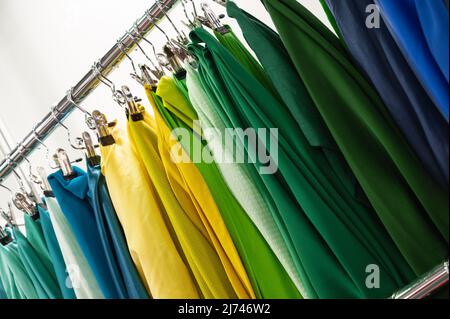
80 91
427 285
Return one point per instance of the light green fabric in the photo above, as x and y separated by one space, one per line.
82 278
238 178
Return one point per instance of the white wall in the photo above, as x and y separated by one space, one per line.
48 45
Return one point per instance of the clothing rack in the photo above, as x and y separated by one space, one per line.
83 88
423 287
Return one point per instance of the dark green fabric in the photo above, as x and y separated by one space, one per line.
276 61
268 277
411 205
317 213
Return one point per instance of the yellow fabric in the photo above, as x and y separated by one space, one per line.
189 186
152 247
193 236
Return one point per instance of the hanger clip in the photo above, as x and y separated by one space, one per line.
5 238
133 110
43 182
91 154
62 160
103 128
23 203
213 20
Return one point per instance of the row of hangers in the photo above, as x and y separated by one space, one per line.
175 53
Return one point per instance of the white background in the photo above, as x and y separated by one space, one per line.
46 46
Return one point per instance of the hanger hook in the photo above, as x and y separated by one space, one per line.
141 49
181 35
72 101
121 48
31 176
152 21
75 146
47 149
117 95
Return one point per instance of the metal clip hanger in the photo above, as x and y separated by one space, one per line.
102 125
91 155
173 60
5 238
77 145
64 163
43 182
9 215
24 204
213 19
133 111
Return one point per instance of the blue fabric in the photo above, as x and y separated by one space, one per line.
379 56
55 254
72 198
420 28
126 277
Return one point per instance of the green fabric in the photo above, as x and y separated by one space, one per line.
15 278
319 216
230 41
332 21
410 204
45 284
35 236
238 177
268 278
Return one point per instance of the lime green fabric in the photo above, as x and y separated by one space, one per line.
268 277
413 208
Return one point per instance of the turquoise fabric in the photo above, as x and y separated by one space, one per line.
43 280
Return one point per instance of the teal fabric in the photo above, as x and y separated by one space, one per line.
56 255
16 280
43 280
2 289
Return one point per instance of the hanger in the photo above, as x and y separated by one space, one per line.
103 128
43 182
181 35
133 110
116 94
9 215
50 162
221 2
191 24
62 159
174 60
91 155
78 141
5 238
213 19
23 203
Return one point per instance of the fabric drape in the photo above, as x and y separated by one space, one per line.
126 277
56 256
150 238
72 197
384 165
413 111
421 29
81 276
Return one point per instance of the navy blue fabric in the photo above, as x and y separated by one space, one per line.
420 28
126 278
56 254
76 207
414 112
